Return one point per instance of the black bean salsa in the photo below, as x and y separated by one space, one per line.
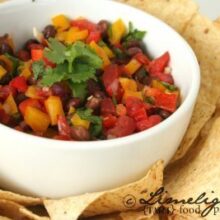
80 81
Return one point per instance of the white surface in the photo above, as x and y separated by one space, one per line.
210 8
54 168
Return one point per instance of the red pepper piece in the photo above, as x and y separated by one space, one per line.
19 83
94 36
37 54
5 91
29 102
109 121
63 127
84 24
107 107
148 123
142 58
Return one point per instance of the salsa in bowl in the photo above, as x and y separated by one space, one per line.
79 80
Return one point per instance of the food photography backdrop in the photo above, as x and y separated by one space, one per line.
192 178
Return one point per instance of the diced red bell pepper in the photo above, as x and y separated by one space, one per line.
63 127
148 123
4 117
158 65
5 91
109 121
142 58
167 101
29 102
94 36
84 24
19 83
107 107
37 54
125 126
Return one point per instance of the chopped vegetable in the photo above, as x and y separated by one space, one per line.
118 29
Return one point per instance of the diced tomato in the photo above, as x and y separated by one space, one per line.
63 127
37 54
168 78
62 138
107 107
148 123
29 102
167 101
94 36
5 91
158 65
142 58
111 79
109 121
84 24
4 117
125 126
19 83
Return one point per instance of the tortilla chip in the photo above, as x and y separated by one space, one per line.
197 172
106 202
181 10
23 200
15 211
1 217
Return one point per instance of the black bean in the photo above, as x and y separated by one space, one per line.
32 80
20 98
62 90
5 48
99 94
49 32
23 55
92 86
80 133
74 102
103 26
133 43
133 51
164 114
94 103
5 79
140 75
28 44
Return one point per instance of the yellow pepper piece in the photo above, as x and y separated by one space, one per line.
118 30
54 108
73 36
132 94
9 64
36 119
61 22
101 53
132 66
61 36
72 110
3 71
10 105
128 84
108 51
77 121
32 92
158 85
25 71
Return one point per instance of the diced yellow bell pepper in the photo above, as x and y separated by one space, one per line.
36 119
73 36
128 84
101 53
132 94
77 121
61 22
25 70
158 85
9 64
32 92
118 30
132 66
62 36
3 71
54 108
10 105
108 51
72 110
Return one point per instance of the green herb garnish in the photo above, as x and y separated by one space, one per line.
170 87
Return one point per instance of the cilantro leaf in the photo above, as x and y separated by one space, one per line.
79 90
56 51
86 114
38 68
134 34
170 87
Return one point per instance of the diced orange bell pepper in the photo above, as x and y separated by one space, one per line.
9 64
3 72
101 53
25 70
61 22
36 119
74 35
158 85
10 105
54 108
37 54
32 92
132 94
128 84
77 121
117 31
29 102
108 51
62 36
132 66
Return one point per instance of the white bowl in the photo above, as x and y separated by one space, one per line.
52 168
